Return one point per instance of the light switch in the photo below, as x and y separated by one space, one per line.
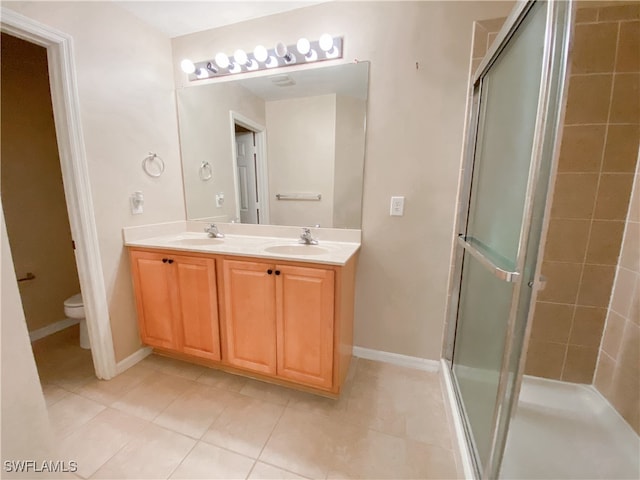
397 207
219 199
137 202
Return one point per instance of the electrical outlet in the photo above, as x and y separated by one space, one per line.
397 207
219 199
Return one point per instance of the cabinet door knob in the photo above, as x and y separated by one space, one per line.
165 260
269 272
277 272
170 261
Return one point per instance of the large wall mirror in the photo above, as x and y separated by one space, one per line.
284 149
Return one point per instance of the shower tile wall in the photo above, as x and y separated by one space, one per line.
618 370
484 33
597 162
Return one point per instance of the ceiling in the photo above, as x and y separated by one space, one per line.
176 18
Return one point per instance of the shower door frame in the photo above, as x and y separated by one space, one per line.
553 86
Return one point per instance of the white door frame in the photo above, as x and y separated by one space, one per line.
75 177
262 174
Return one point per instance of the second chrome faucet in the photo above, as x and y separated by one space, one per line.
306 237
213 232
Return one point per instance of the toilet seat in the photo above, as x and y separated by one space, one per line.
74 301
74 308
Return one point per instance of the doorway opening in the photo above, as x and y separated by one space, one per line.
36 215
250 172
59 72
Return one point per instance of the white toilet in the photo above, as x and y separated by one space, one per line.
74 308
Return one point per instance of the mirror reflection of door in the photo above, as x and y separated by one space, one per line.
246 154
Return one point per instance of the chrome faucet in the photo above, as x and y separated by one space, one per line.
213 232
307 238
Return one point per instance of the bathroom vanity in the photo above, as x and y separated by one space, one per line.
258 305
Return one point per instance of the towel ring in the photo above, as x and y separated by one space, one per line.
205 171
149 159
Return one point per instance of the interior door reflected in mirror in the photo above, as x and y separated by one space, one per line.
285 149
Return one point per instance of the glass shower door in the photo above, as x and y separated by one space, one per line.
511 100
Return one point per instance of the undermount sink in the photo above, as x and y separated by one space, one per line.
297 249
197 241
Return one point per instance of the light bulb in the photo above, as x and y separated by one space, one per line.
273 62
333 53
202 73
326 42
187 66
260 53
252 65
283 52
312 56
235 68
281 49
303 46
240 56
222 60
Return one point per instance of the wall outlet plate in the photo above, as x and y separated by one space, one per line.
397 207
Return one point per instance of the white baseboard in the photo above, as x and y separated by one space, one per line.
464 453
52 328
397 359
132 359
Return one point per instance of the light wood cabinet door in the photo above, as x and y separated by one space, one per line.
250 327
154 299
305 322
198 306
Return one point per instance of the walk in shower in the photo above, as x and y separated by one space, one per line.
542 387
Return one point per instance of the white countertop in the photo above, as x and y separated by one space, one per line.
260 246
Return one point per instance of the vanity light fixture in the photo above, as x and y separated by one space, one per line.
304 51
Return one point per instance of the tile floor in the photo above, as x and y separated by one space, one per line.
168 419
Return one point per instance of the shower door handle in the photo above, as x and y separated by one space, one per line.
501 273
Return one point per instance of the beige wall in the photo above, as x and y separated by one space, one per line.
595 174
205 135
415 124
349 165
25 424
127 109
32 191
301 145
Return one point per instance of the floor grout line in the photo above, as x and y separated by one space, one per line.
268 438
